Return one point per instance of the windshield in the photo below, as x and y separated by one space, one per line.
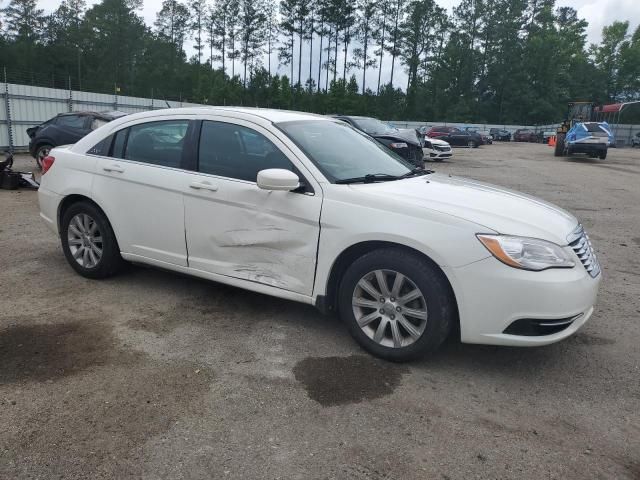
373 126
341 152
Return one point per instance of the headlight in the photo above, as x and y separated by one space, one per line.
398 145
526 253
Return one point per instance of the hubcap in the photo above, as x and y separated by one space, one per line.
389 308
43 152
85 240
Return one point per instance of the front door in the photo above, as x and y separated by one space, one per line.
139 184
236 229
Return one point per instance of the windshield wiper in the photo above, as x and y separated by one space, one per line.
369 178
416 172
383 177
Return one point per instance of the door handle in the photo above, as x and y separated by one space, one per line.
114 168
204 186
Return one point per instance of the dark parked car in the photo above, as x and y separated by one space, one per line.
455 136
403 142
500 134
487 139
525 135
64 129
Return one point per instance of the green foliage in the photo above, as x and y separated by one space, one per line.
499 61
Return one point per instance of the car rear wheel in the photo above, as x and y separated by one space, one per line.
603 155
41 152
396 304
88 241
471 144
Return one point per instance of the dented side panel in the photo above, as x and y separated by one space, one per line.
241 231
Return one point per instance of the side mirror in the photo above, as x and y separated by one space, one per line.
277 179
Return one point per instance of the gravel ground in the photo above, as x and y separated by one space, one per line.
154 375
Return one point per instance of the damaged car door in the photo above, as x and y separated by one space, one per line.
236 229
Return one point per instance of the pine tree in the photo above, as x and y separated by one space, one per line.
252 32
366 12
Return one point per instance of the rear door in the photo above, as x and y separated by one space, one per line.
238 230
71 128
140 183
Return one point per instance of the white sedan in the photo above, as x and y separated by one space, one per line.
307 208
436 150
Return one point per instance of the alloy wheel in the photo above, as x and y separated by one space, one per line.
389 308
42 153
85 240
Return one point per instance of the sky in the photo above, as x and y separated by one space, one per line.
598 13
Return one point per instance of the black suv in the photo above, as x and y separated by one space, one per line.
64 129
404 143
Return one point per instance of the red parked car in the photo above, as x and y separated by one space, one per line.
525 135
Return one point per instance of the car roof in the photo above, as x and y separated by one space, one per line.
354 116
268 114
259 116
107 115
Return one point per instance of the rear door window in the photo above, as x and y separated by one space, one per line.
102 147
119 142
157 143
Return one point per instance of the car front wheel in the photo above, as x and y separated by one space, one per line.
396 305
88 241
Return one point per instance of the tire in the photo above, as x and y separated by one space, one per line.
472 144
88 219
559 150
435 307
41 152
603 155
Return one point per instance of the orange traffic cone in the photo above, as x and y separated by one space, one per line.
552 141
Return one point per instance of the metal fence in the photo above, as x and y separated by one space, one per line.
24 106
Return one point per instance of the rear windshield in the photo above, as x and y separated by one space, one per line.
372 126
592 127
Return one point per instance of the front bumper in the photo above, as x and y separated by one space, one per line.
492 296
430 154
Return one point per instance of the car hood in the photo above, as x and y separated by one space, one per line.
489 206
408 136
436 141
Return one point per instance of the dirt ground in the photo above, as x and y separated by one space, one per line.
153 375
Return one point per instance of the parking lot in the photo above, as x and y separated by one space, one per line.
154 375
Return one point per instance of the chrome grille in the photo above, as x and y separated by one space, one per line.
580 243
